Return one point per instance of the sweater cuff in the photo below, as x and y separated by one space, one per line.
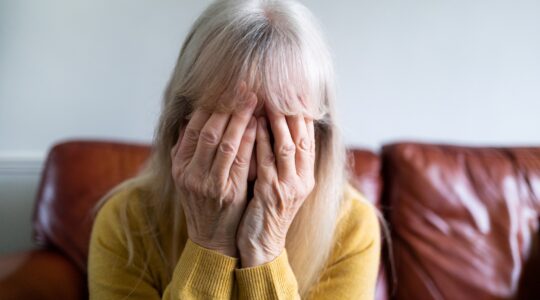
205 272
273 280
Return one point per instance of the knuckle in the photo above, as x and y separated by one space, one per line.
291 190
190 183
209 186
209 137
227 148
216 188
287 185
304 144
215 180
229 200
286 150
268 160
241 162
192 134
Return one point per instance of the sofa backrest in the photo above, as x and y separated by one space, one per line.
365 168
465 220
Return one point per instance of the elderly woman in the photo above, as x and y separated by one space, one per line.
245 195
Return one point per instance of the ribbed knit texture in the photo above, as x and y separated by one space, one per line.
273 280
196 263
350 272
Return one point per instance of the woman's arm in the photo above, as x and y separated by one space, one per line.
350 274
210 164
200 273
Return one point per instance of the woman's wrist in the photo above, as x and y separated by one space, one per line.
226 250
254 260
254 257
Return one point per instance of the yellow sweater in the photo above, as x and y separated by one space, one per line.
350 271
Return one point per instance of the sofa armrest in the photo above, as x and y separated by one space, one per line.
40 274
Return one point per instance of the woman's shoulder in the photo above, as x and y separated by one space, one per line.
120 201
358 224
356 208
119 211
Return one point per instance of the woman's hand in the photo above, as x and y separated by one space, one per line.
284 181
210 164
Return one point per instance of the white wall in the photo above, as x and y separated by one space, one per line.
452 71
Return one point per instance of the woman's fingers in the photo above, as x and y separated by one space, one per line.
266 167
188 143
209 139
240 166
311 131
284 147
302 141
228 149
217 143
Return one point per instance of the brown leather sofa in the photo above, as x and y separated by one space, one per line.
464 220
